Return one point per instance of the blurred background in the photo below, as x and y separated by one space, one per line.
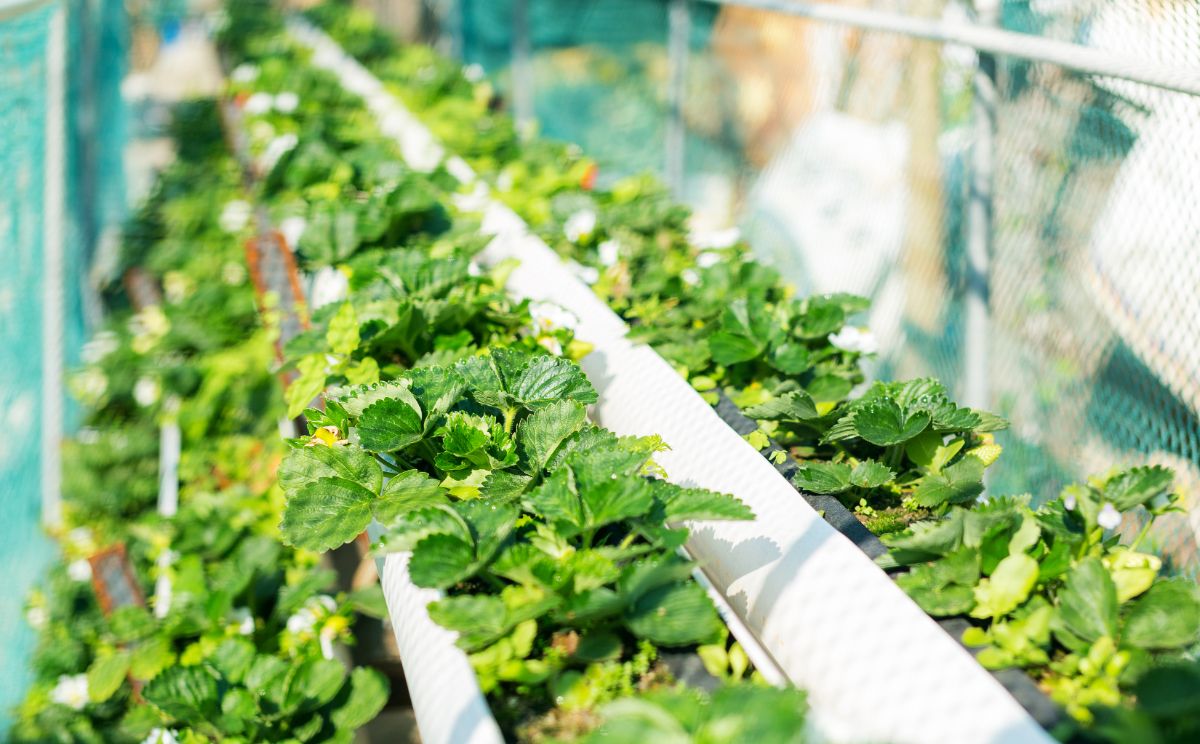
1026 222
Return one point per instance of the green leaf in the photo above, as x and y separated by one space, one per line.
440 561
790 358
1138 486
871 474
681 503
613 498
105 675
676 614
556 502
326 514
405 492
308 385
1007 587
794 406
882 422
188 693
320 680
959 483
477 618
743 334
542 433
233 659
304 465
368 695
1166 616
150 657
388 425
342 335
1087 604
547 380
728 348
823 477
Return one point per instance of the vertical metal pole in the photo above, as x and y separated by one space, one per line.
977 342
522 66
679 28
53 265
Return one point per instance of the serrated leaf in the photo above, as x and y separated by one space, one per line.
503 486
1138 486
728 348
342 334
884 423
1166 616
547 380
106 674
233 659
794 406
681 503
541 434
150 657
676 614
304 465
320 680
309 384
440 561
956 484
188 693
405 492
789 357
325 514
871 474
388 425
1007 587
1087 604
823 477
368 695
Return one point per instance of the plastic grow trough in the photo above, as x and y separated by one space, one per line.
875 666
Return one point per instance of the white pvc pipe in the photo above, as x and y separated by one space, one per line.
875 666
53 266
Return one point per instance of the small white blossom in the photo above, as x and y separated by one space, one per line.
305 619
691 277
146 391
258 104
473 72
708 259
101 345
82 538
261 131
80 570
36 616
276 149
176 286
474 269
1108 518
580 225
329 285
548 316
714 239
245 73
293 229
286 102
235 216
241 619
610 251
89 385
551 344
161 736
859 340
326 636
1070 502
71 691
233 273
588 274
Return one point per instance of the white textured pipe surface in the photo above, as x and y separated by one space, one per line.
876 667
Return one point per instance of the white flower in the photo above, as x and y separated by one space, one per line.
548 316
235 215
551 344
326 636
36 616
580 225
261 131
276 149
1070 502
588 274
474 269
715 239
850 338
101 345
473 72
691 277
148 327
259 103
610 251
1108 518
245 73
233 273
82 538
146 391
89 385
176 286
305 619
329 285
708 259
80 570
293 229
71 691
161 736
241 618
286 102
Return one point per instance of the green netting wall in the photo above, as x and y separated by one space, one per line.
92 54
846 155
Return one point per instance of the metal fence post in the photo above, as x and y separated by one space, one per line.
977 341
679 26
